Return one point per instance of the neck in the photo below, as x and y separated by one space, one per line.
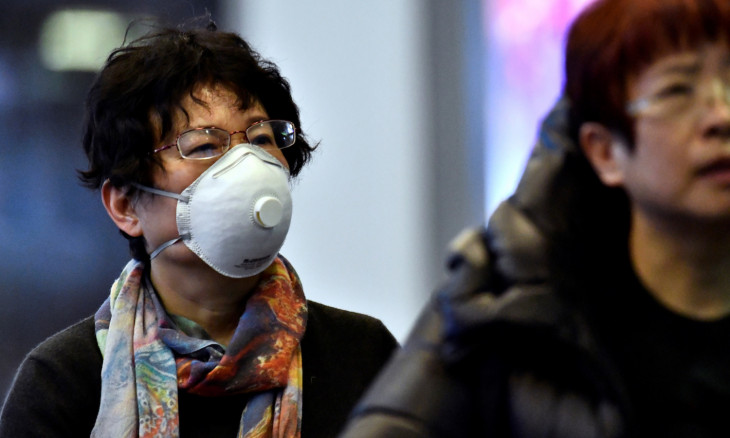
686 268
199 293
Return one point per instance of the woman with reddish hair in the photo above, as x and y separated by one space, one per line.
596 303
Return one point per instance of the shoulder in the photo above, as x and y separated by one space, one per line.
342 352
346 329
68 342
321 314
57 387
335 338
71 352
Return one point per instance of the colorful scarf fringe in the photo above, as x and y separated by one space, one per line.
147 359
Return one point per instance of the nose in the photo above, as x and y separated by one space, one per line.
238 137
719 93
716 122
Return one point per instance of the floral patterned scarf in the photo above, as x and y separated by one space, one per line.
148 359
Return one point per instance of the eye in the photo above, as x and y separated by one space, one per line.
263 140
204 150
677 89
262 135
203 143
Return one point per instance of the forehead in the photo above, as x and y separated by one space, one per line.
213 101
207 99
710 58
205 105
647 30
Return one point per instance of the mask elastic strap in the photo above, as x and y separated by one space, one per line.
161 192
169 195
164 246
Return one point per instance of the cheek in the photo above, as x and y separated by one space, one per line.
157 219
154 210
660 171
660 147
279 155
178 176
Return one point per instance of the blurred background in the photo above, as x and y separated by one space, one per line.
425 112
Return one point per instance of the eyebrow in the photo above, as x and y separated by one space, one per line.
689 65
257 117
682 67
248 121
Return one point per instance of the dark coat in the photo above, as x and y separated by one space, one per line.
499 352
57 390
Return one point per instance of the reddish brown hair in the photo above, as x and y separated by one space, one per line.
613 40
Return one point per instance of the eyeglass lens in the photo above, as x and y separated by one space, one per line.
680 98
203 143
272 133
211 142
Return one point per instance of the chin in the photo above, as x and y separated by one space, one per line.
712 218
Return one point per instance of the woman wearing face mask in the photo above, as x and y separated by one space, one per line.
192 139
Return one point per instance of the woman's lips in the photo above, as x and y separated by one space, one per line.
718 171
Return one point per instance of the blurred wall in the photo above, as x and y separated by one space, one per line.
398 173
386 86
59 251
525 77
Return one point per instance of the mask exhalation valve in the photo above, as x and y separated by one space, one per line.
267 211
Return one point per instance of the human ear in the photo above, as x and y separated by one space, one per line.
604 151
121 209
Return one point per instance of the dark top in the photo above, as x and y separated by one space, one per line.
676 369
543 330
57 390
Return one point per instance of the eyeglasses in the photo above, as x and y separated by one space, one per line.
679 98
206 143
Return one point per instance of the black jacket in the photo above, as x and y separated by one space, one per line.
57 389
498 352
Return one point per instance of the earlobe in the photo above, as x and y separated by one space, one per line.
121 209
602 149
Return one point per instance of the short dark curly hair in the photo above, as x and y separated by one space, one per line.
148 79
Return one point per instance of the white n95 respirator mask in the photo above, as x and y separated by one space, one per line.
236 214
